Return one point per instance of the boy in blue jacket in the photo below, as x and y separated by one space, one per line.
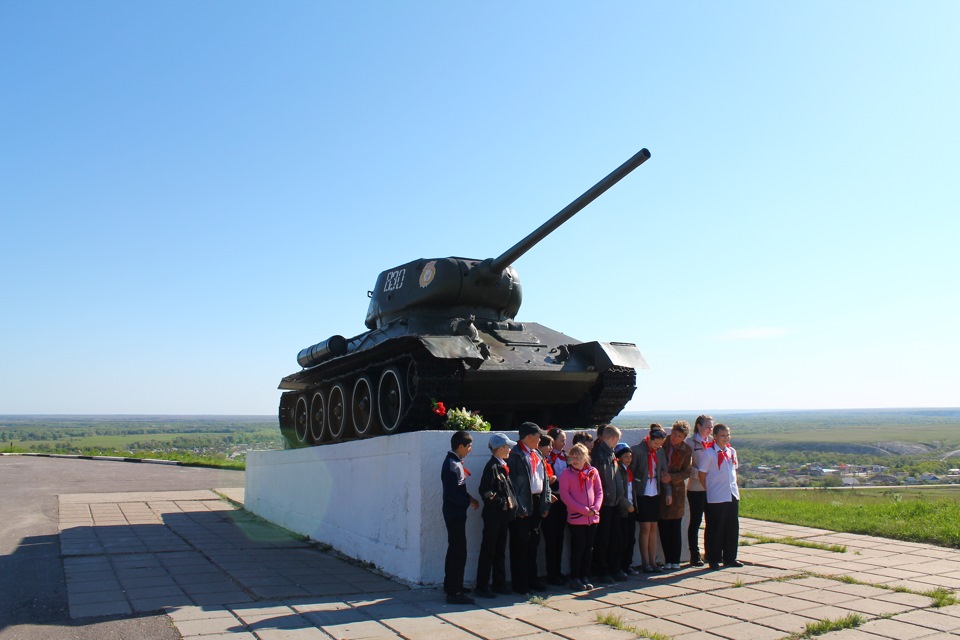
453 478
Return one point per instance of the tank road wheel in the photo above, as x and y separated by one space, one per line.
337 412
361 406
318 416
301 419
390 399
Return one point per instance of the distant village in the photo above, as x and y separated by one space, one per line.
814 475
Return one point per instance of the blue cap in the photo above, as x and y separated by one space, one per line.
620 448
497 440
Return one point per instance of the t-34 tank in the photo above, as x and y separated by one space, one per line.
443 329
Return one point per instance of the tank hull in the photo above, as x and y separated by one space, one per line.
510 373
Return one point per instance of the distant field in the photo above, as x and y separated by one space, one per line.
204 438
918 514
937 428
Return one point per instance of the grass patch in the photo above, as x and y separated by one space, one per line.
762 539
941 597
826 626
737 583
615 621
537 600
919 517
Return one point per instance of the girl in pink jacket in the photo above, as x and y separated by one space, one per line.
581 491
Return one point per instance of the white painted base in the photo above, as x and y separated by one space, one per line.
376 500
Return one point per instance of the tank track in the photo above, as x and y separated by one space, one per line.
423 372
616 386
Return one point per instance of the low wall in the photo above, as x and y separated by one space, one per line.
377 500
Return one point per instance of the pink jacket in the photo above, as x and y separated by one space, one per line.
580 500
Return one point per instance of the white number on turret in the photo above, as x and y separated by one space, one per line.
394 280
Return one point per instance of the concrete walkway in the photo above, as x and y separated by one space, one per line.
219 572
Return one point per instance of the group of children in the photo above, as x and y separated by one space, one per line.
598 490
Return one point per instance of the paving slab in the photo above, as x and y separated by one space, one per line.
219 572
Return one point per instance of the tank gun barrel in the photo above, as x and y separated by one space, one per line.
498 264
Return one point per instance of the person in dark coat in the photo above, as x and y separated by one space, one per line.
456 500
607 546
649 466
555 525
499 508
528 475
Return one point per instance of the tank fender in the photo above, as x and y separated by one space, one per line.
453 347
604 355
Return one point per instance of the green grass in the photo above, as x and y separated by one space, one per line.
762 539
918 516
616 621
941 597
826 626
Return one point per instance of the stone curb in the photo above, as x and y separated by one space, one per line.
111 458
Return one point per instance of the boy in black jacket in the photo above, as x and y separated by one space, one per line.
453 478
499 508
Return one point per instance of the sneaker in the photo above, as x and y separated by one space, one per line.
714 565
619 576
696 562
588 586
460 598
484 593
576 585
629 571
735 563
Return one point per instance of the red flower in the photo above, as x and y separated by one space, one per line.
439 409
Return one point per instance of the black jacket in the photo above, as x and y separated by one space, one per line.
519 462
495 488
456 500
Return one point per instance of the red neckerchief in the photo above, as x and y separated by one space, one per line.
555 455
709 445
583 474
651 460
549 469
630 474
533 458
465 470
504 464
722 455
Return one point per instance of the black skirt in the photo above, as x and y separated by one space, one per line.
648 508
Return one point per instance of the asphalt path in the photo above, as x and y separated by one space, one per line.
33 593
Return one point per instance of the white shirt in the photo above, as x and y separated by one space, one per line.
721 481
536 479
651 488
697 446
558 465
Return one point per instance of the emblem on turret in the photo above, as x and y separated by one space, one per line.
428 273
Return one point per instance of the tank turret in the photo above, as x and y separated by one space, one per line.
445 329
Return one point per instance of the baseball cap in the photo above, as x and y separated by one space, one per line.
497 440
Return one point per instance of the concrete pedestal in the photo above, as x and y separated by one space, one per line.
376 500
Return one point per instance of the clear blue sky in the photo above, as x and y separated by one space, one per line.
191 192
